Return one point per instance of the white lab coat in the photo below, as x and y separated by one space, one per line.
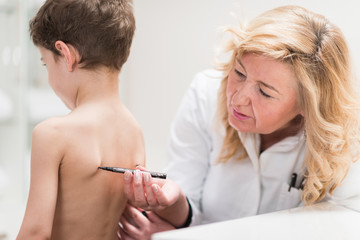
258 184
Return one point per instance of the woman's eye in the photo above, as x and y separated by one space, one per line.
264 94
240 74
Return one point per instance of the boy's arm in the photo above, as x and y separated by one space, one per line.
46 155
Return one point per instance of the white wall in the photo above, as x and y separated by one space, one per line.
177 38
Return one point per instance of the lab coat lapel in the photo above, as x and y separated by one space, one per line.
251 144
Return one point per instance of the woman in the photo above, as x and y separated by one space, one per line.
275 128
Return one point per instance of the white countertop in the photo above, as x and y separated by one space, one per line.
320 221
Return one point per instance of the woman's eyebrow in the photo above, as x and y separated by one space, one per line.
269 86
261 82
242 65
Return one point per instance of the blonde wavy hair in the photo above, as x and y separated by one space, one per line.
326 87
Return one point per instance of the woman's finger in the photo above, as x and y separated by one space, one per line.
168 194
150 197
123 235
154 180
139 195
129 228
126 224
128 186
154 218
160 195
136 216
141 168
158 224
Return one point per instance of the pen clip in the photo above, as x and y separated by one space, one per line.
292 181
302 183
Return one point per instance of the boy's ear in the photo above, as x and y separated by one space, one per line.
70 54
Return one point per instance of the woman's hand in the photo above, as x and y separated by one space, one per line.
148 193
135 225
164 197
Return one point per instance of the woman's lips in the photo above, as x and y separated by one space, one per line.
239 115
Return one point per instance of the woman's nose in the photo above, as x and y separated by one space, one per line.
242 97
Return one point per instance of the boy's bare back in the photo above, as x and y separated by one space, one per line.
83 45
89 201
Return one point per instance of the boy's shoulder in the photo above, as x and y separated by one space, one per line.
51 125
54 128
48 140
63 123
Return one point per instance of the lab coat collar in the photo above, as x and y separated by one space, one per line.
251 142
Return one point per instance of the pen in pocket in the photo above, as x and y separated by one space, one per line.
292 181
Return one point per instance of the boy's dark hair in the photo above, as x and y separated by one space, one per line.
100 30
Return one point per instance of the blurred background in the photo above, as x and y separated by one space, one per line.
174 40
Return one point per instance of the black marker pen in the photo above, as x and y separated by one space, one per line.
122 170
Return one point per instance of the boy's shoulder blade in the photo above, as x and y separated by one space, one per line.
62 123
50 126
55 129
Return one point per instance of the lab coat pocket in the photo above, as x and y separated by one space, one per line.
288 199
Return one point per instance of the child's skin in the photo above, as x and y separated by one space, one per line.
69 197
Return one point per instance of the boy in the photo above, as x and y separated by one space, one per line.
83 44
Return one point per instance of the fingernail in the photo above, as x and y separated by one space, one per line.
137 174
146 177
127 175
155 188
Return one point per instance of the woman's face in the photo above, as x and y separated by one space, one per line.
261 94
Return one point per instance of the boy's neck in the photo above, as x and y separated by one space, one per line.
96 86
